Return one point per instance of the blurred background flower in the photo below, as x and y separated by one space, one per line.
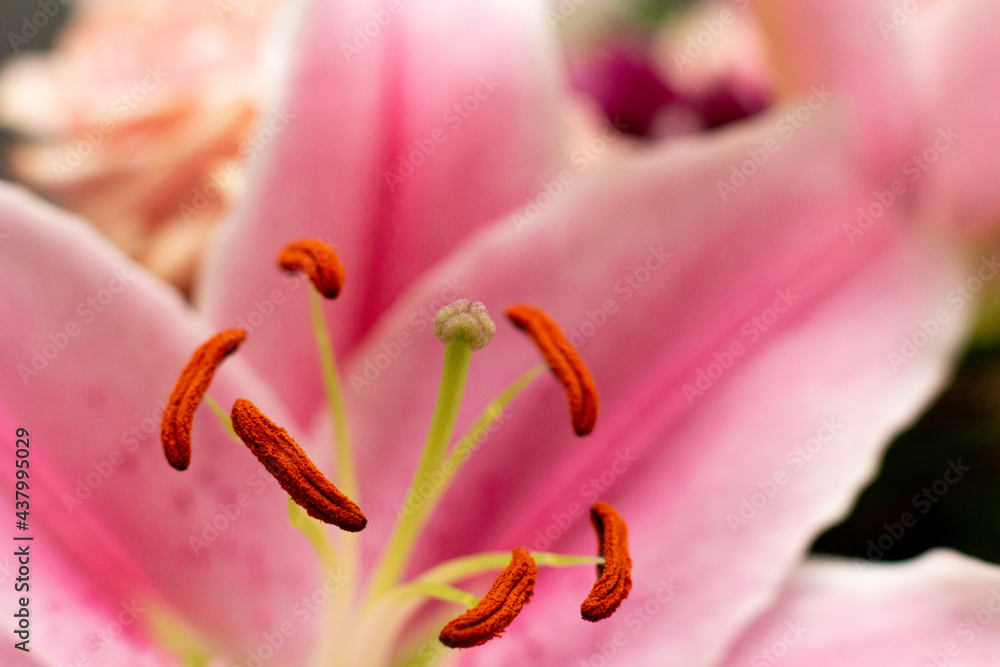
659 70
139 117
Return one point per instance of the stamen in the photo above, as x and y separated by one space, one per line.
564 361
178 416
318 261
298 476
615 575
497 609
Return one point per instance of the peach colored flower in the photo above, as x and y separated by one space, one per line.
140 118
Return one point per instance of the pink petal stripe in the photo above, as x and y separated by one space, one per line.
394 151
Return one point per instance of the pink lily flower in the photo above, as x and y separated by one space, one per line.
752 363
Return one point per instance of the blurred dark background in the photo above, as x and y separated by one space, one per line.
20 33
944 473
14 29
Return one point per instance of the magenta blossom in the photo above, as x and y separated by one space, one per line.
752 362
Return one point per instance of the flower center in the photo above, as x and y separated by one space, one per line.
387 603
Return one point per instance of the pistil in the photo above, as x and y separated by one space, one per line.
463 326
467 443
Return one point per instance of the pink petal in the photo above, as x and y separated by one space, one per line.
774 453
781 233
108 342
924 93
841 52
954 49
72 619
940 609
356 114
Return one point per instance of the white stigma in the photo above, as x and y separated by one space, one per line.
464 320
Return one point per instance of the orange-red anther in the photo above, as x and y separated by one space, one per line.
564 361
614 577
296 474
318 261
178 416
498 608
